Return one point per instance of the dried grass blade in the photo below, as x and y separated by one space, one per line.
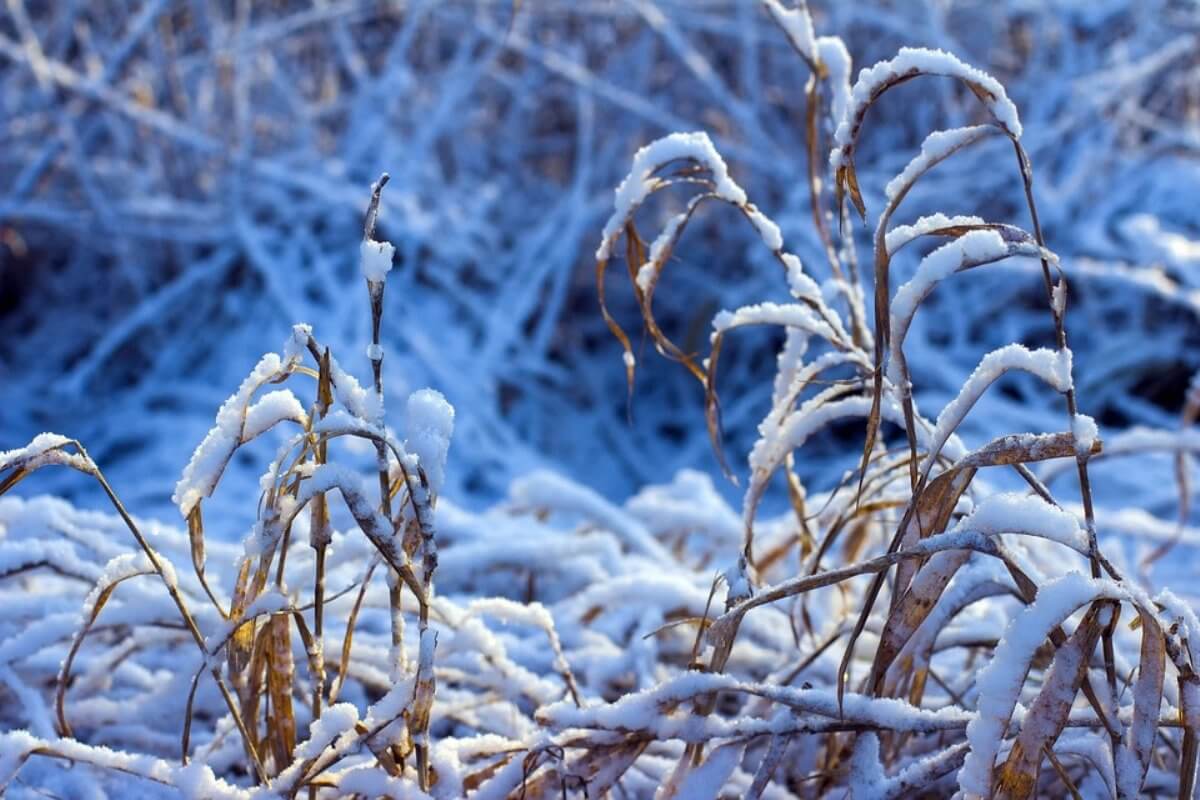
281 675
1048 714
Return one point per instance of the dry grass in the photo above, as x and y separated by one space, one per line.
883 577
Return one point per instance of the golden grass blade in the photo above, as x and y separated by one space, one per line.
1147 695
1045 719
242 644
281 674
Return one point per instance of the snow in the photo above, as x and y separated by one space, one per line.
999 682
866 773
790 316
800 284
767 229
581 597
549 490
363 403
798 26
271 409
901 235
376 782
232 428
937 147
376 260
705 781
836 58
1058 298
647 273
194 782
971 249
1052 366
430 423
37 450
914 60
1016 512
118 569
738 579
639 183
335 721
1084 429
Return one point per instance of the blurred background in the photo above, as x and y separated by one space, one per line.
182 181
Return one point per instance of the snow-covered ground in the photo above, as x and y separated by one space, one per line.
597 568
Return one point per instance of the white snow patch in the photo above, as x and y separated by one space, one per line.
1084 429
376 259
430 425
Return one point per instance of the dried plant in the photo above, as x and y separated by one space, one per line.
579 648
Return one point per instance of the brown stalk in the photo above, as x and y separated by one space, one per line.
320 534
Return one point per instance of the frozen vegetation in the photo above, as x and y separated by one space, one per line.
663 406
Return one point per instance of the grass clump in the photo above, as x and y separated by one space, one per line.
911 632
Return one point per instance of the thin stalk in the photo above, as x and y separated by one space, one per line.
1081 461
395 586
